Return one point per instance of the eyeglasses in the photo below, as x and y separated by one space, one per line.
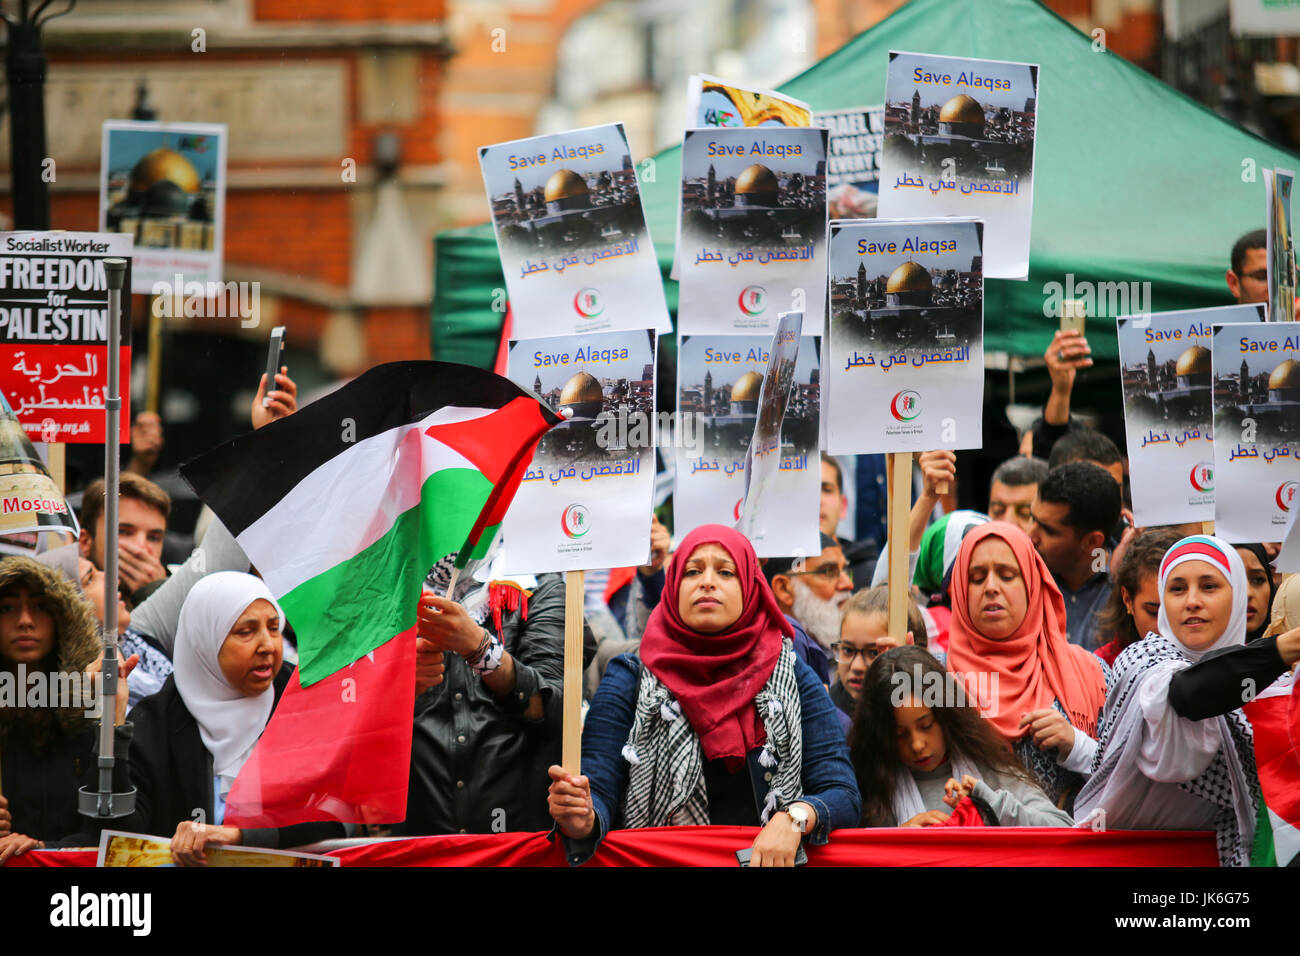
831 572
844 653
1259 275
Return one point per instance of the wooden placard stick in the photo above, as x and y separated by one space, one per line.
57 461
899 486
571 750
153 390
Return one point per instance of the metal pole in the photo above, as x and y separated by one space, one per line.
25 74
104 802
25 71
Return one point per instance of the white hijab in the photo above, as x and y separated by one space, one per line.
1223 558
229 722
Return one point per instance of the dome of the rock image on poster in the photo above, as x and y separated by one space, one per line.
580 389
962 109
909 277
1194 362
747 387
1286 375
758 184
566 184
164 165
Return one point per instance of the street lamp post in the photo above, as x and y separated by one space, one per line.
25 74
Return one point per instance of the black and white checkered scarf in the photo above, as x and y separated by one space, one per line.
666 778
1230 783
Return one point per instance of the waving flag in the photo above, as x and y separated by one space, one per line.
343 507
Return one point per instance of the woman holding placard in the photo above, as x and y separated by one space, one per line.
718 722
1007 638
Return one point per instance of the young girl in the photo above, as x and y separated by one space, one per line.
863 637
914 761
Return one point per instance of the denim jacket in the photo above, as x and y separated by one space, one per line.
829 783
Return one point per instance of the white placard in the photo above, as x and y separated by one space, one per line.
719 381
585 500
1167 380
959 141
571 231
165 184
1256 429
753 228
905 370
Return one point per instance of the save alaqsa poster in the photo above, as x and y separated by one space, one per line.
852 160
719 383
30 501
584 501
906 360
571 231
1280 245
165 184
1256 429
54 324
753 228
959 141
1167 380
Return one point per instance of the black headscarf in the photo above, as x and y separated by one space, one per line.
1258 551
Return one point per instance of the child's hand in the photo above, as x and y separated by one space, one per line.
953 792
928 819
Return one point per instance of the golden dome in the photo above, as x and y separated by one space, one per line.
581 388
909 277
1195 361
1286 375
164 164
756 179
962 109
747 387
565 184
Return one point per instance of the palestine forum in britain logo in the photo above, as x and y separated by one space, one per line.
1285 495
576 521
753 300
1202 477
906 405
588 303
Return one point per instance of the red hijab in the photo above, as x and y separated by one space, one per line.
716 676
1035 665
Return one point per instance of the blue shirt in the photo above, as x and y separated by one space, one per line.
829 784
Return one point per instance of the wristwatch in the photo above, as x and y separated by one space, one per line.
799 817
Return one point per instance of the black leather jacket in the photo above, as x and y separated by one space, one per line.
478 765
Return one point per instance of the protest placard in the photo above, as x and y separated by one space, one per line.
1166 375
959 141
906 365
571 230
753 229
585 499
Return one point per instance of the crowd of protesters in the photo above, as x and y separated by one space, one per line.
1083 664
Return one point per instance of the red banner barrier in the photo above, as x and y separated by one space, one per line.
717 846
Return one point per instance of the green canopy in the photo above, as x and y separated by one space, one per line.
1133 182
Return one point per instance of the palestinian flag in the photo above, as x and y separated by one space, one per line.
343 507
1275 719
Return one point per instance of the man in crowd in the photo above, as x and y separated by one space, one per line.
141 525
489 706
1088 444
810 592
1247 276
860 555
1015 483
1077 506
